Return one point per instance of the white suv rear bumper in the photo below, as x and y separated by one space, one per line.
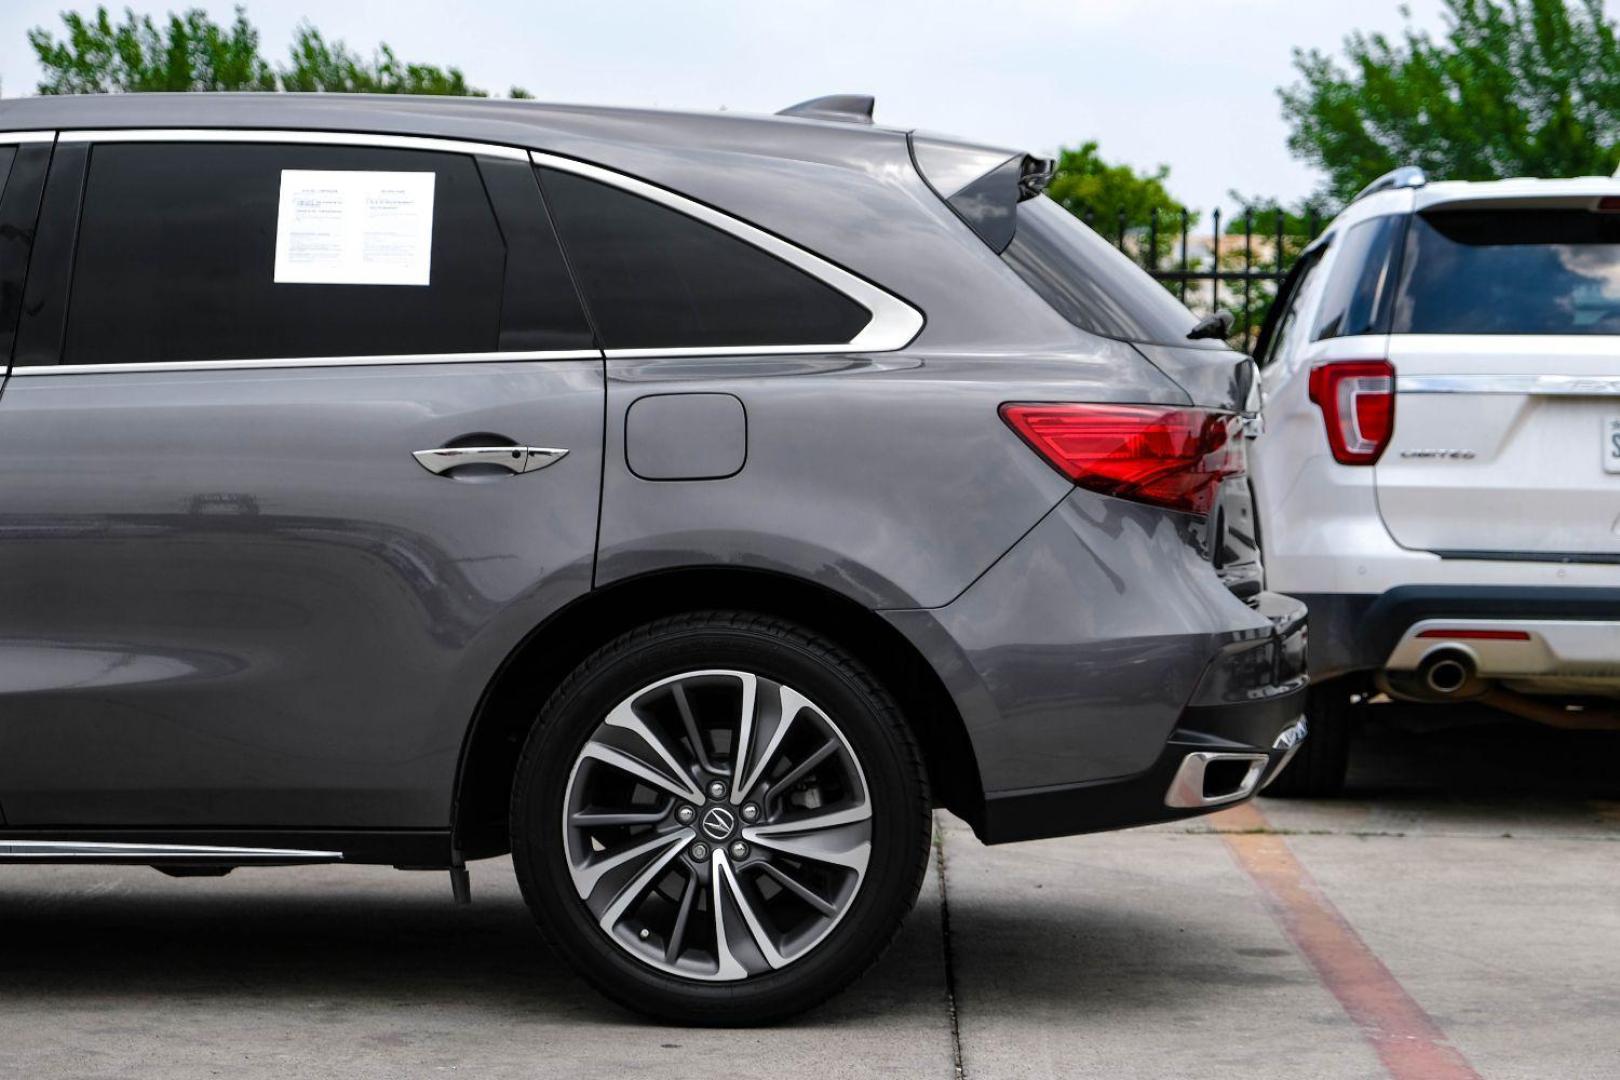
1515 648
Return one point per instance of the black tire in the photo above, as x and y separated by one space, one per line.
1318 769
875 735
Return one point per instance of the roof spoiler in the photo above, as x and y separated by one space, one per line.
982 184
844 108
1407 176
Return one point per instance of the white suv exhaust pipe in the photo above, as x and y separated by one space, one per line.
1447 672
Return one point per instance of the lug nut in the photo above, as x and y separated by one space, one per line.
700 851
717 789
685 815
749 812
739 850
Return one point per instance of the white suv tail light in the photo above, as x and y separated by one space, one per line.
1357 399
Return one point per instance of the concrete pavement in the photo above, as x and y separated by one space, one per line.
1469 881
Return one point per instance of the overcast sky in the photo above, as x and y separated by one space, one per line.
1187 83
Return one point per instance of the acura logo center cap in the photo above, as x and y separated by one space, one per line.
718 822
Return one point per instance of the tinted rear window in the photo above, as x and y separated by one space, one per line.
655 278
1091 283
1499 271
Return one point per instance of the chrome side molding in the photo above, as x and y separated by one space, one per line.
109 851
1531 385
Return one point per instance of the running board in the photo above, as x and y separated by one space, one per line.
93 851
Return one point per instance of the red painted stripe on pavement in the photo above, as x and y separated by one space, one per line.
1408 1041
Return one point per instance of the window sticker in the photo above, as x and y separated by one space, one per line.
343 227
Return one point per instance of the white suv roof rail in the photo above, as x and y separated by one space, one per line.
1407 176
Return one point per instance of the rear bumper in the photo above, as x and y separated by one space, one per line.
1573 631
1266 731
1094 657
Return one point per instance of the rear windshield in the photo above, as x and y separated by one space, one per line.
1553 271
1089 282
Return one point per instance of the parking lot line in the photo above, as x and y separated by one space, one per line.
1408 1041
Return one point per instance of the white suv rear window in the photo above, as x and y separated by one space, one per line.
1543 271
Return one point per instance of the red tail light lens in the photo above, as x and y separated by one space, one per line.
1148 453
1357 399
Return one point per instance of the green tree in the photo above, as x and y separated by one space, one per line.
1104 195
1511 88
191 52
334 68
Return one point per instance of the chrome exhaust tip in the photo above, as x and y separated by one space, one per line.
1447 672
1211 778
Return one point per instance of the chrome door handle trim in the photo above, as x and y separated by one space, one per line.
515 459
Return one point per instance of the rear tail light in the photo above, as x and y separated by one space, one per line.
1147 453
1357 399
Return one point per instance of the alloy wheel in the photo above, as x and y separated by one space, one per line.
717 825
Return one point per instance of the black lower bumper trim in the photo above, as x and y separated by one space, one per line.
1123 802
1357 632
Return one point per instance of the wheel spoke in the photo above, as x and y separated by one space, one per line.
799 889
729 967
790 704
677 936
823 752
688 721
745 730
596 819
637 886
622 761
841 837
625 718
762 941
587 877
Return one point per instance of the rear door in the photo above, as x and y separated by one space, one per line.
1506 343
231 593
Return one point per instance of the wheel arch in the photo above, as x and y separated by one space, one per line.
530 672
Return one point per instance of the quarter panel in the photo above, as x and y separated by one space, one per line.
890 479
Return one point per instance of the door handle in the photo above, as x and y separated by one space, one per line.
514 459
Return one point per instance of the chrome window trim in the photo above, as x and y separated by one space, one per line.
893 325
310 361
287 135
894 322
1529 385
12 138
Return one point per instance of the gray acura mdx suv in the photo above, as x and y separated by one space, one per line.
685 504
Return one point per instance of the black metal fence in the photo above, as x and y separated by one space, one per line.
1236 269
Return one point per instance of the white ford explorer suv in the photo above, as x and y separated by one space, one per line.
1439 474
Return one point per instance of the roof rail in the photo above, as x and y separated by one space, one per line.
1407 176
845 108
